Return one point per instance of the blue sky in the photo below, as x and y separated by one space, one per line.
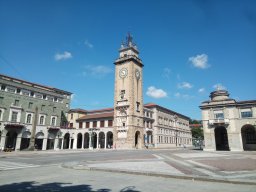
187 48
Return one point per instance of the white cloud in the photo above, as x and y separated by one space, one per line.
177 95
88 44
219 86
63 56
167 73
156 93
199 61
185 85
201 90
96 71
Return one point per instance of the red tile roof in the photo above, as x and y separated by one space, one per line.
108 115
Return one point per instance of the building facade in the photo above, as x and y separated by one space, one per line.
31 113
162 128
228 124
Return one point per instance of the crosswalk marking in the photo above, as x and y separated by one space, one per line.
6 165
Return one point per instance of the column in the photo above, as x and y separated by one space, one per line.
44 144
18 142
56 140
2 144
105 141
62 143
97 140
82 141
69 146
75 143
90 140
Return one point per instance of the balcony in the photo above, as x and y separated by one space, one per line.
122 128
14 125
219 122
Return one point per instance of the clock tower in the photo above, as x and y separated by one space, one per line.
128 100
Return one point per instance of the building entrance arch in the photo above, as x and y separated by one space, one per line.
248 134
25 139
102 140
86 140
109 139
79 140
137 140
221 138
10 141
66 141
39 138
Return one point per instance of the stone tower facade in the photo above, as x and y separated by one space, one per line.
128 99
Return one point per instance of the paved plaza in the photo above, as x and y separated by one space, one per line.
128 170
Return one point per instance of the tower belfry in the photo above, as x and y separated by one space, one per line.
128 100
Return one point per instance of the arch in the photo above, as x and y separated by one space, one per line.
109 139
39 138
149 137
137 140
86 140
102 140
10 141
50 141
66 141
94 140
79 140
221 138
25 139
248 134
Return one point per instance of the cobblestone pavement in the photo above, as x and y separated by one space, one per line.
231 167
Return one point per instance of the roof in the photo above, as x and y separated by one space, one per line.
16 80
151 105
97 116
101 110
195 125
78 110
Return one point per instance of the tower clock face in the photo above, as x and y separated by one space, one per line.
137 73
123 72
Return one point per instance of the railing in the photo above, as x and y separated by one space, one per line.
218 121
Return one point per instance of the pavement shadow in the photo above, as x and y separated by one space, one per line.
32 186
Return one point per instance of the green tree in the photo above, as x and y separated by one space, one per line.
197 133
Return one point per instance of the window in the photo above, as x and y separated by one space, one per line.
122 94
44 96
16 102
94 124
101 123
30 105
28 121
11 89
80 124
55 99
71 125
32 94
18 91
53 123
246 113
87 124
3 87
110 123
218 115
123 124
14 116
138 106
54 109
41 120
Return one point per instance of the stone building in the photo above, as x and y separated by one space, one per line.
228 124
162 128
30 111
